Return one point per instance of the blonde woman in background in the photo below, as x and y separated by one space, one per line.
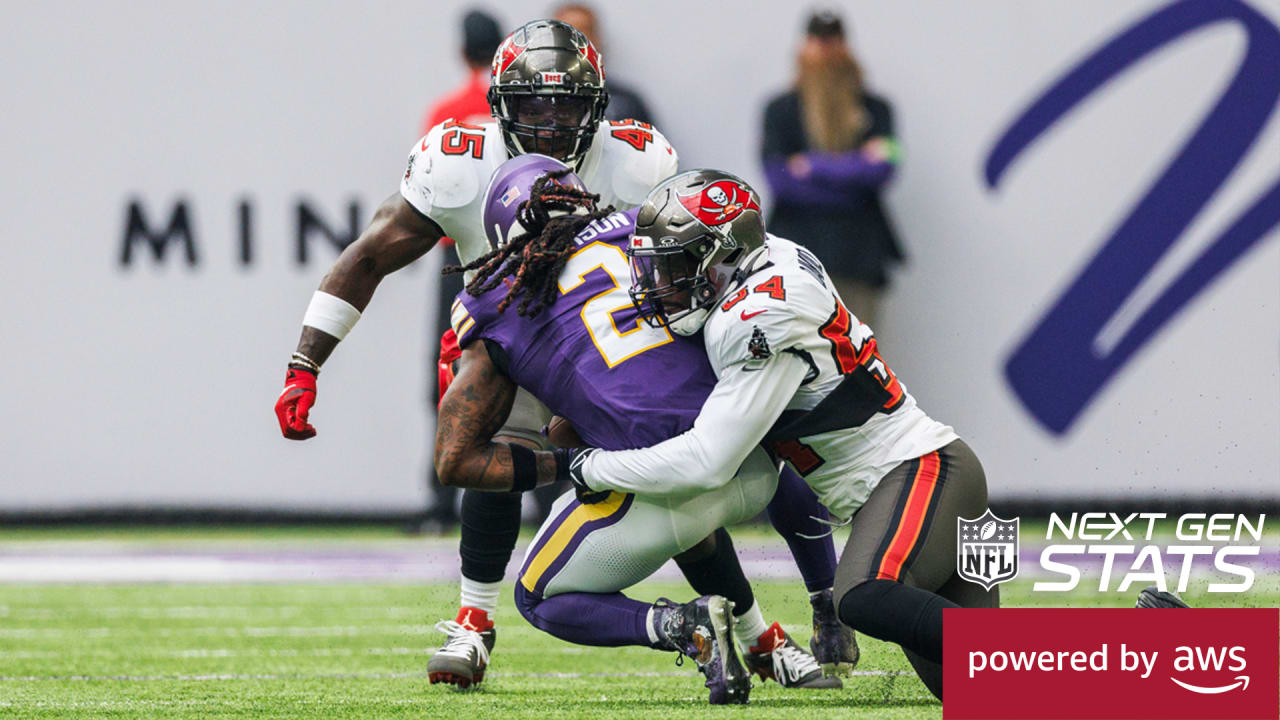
828 150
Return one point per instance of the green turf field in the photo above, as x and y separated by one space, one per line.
359 651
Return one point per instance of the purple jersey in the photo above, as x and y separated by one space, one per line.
587 356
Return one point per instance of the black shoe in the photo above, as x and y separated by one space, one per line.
1153 597
833 643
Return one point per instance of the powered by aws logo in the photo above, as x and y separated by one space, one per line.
1112 662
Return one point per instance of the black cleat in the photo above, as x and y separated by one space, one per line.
701 629
1153 597
833 643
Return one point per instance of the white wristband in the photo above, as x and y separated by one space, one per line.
331 314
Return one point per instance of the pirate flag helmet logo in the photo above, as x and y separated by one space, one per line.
720 202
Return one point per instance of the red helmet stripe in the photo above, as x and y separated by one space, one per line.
506 55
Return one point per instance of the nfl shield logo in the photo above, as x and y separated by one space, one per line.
987 549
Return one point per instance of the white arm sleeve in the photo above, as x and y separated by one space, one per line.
734 419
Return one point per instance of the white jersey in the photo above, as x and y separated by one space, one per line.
799 373
450 167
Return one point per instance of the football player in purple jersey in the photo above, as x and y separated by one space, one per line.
548 311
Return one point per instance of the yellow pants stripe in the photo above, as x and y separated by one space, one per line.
563 536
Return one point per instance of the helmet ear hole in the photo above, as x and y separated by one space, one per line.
732 258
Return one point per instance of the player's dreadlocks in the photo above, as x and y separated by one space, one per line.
536 256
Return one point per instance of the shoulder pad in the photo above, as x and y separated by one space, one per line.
438 178
635 158
752 324
777 308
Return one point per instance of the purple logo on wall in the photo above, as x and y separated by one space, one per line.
1060 366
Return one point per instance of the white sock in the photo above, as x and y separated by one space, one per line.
648 626
480 595
749 626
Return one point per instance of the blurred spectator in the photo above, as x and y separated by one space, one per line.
481 36
480 39
624 103
828 150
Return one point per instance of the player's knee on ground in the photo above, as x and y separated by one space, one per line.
526 602
600 619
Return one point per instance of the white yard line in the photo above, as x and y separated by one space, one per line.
27 633
254 631
198 653
191 612
375 676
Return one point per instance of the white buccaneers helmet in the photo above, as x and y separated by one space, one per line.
695 235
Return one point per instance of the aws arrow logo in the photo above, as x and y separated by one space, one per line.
1211 659
1242 682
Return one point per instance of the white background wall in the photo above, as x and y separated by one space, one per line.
154 384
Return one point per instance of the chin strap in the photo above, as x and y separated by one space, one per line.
755 260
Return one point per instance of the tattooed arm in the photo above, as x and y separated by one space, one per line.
473 409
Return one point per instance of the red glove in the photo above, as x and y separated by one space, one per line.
449 353
294 404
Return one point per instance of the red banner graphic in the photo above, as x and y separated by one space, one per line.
1111 663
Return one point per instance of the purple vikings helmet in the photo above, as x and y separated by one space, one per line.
509 189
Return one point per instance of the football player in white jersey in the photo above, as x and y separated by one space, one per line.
798 373
548 95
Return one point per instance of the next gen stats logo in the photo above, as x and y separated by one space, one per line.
1125 552
1131 551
